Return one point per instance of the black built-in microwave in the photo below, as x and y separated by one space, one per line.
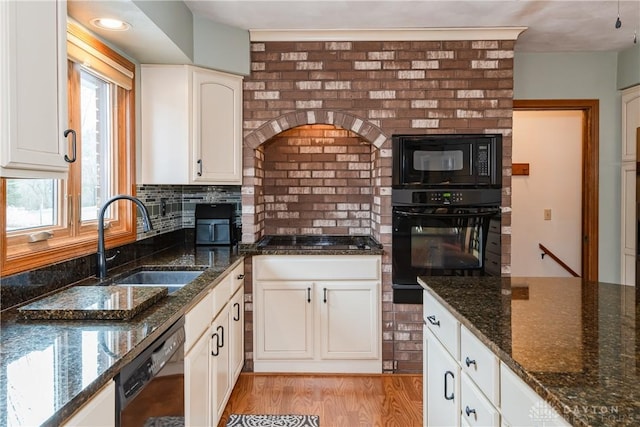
447 161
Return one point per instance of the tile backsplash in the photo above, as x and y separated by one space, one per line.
180 203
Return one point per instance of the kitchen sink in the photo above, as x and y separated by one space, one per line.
173 280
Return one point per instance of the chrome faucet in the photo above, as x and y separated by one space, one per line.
146 226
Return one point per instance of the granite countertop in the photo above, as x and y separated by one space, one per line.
49 368
574 342
322 244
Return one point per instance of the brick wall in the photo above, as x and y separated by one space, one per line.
317 180
373 90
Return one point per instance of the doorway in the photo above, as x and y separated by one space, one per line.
587 111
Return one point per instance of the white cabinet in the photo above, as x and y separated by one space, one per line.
441 385
630 140
630 122
191 126
317 313
472 388
33 87
521 406
100 411
213 356
283 321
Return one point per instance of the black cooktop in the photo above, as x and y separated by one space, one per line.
323 241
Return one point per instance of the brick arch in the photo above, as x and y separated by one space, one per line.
362 127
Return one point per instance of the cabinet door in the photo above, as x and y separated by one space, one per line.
217 126
283 320
349 321
197 384
97 412
33 81
237 334
219 366
443 385
165 121
630 122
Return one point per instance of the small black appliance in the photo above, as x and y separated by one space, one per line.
215 224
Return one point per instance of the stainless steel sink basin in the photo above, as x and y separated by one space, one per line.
173 280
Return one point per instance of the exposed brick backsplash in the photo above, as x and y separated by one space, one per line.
366 92
317 180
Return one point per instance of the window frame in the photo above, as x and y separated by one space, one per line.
72 239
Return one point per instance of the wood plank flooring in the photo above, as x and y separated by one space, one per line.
387 400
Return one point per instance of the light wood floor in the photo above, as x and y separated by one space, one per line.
340 400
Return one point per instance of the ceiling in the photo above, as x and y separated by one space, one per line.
553 26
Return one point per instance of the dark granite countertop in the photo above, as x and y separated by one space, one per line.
574 342
48 368
323 244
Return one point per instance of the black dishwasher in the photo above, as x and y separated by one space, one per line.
141 370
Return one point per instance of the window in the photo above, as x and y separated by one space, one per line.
53 220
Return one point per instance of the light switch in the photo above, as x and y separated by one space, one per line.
547 214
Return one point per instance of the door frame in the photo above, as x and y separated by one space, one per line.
590 176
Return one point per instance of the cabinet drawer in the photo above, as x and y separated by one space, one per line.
520 404
443 325
320 267
197 321
222 293
480 364
476 409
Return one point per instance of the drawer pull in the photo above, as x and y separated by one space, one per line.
447 396
240 276
433 321
325 295
470 411
470 362
308 294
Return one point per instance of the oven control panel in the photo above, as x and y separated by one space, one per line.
446 197
438 197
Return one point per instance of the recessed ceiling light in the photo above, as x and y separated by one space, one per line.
110 24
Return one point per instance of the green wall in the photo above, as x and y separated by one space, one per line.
629 67
590 75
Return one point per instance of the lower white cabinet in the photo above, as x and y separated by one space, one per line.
317 313
212 364
472 387
441 385
100 411
521 406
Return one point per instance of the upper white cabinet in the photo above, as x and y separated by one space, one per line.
630 122
191 126
630 109
33 79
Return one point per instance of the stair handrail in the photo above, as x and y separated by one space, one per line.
553 256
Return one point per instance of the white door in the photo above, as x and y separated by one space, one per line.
547 203
349 326
443 385
283 314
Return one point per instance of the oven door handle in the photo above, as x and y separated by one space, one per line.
448 214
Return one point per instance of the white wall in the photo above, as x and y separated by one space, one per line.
551 142
590 75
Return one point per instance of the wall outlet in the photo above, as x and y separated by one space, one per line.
547 214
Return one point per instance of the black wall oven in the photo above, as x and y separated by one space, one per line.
446 189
